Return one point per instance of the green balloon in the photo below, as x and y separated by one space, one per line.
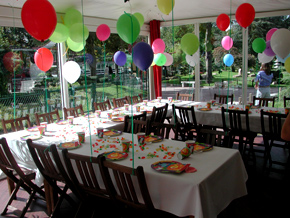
74 46
128 25
78 32
189 43
72 16
60 33
259 45
160 59
140 18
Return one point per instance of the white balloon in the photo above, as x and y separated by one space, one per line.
265 58
71 71
192 59
282 60
169 59
280 42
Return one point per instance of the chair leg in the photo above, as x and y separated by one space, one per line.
28 204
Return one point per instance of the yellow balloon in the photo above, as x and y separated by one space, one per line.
165 6
152 64
287 65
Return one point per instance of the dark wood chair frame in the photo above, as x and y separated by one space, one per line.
120 102
285 99
224 99
73 111
47 117
213 137
159 113
103 106
133 99
141 97
264 102
16 124
164 130
24 180
140 123
184 97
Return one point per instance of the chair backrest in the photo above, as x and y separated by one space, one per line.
159 113
238 121
16 124
47 117
120 185
224 99
9 165
184 115
164 130
271 124
264 102
141 97
103 106
184 97
119 102
140 123
286 99
213 137
73 111
133 99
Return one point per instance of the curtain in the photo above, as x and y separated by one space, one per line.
157 71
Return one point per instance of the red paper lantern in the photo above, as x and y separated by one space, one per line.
39 18
43 59
245 15
223 22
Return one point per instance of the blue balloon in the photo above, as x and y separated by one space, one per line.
142 55
120 58
281 59
89 58
228 60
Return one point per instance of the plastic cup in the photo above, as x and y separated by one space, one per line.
109 115
41 129
125 145
159 99
169 99
145 102
126 106
208 104
213 102
44 124
247 107
98 113
141 138
70 119
184 153
138 108
287 109
100 132
81 137
190 145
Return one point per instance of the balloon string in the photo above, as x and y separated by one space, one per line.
103 97
172 19
65 52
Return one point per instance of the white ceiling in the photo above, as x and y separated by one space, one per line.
97 12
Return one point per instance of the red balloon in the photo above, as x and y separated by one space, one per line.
245 15
103 32
223 22
39 18
43 58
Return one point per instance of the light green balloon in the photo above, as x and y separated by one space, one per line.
128 25
189 43
140 18
78 32
74 46
72 16
60 33
160 59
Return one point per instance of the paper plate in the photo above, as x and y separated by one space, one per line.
204 109
169 166
112 132
217 104
69 145
62 122
33 129
273 111
32 137
118 119
255 107
199 147
115 155
90 116
153 138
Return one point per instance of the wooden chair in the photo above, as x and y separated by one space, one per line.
140 124
159 113
120 102
263 102
122 190
224 99
271 124
286 99
238 126
81 177
73 111
184 97
103 106
47 117
164 130
213 137
185 116
16 124
22 177
133 100
42 158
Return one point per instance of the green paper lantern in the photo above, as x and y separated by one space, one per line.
60 33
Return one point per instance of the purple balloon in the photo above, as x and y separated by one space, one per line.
268 50
89 58
142 55
120 58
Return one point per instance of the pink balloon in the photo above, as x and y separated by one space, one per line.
169 59
158 46
268 50
270 33
103 32
227 42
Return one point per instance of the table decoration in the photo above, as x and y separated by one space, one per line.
199 147
81 137
32 137
69 145
153 139
171 167
126 145
255 107
100 132
115 155
204 109
62 122
273 111
184 153
32 129
91 115
117 119
112 132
